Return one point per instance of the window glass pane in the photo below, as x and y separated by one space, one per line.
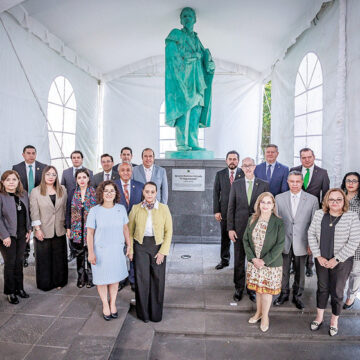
60 83
201 134
167 145
68 90
55 117
299 85
68 144
54 95
312 60
315 99
69 120
315 143
300 104
299 143
317 76
201 143
162 119
54 146
162 107
314 123
300 125
303 70
71 102
167 132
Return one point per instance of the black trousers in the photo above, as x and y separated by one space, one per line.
225 243
51 263
299 276
13 265
332 282
239 266
149 280
83 266
27 250
309 261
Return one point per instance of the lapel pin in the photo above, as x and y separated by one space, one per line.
37 169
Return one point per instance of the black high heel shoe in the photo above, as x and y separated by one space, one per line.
107 317
114 315
12 299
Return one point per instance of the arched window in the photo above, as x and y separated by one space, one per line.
62 122
308 107
167 135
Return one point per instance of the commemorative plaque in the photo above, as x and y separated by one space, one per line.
188 179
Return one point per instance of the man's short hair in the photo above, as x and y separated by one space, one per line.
248 158
125 163
306 149
233 152
297 173
126 148
147 149
107 155
272 145
29 147
77 152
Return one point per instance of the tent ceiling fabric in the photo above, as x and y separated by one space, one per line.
113 34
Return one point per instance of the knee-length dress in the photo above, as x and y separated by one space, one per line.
266 280
108 243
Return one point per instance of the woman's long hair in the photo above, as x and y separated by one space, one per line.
58 188
19 189
343 184
257 212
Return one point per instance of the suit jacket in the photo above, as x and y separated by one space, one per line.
52 217
278 182
135 194
8 215
116 167
158 177
273 242
222 190
68 179
319 184
296 228
99 178
21 169
238 208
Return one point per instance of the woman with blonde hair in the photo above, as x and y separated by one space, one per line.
47 208
334 236
264 240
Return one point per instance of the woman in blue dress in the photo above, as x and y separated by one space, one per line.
107 231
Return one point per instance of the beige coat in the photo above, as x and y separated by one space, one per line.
52 218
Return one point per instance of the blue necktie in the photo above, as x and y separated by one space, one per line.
268 174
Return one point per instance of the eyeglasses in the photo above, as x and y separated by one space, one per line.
248 166
266 203
51 175
348 181
337 201
109 191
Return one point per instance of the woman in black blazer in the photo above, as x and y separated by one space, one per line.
15 232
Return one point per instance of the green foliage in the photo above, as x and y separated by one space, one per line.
266 127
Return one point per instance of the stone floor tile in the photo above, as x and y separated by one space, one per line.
184 297
45 353
223 300
81 307
185 280
13 351
4 317
89 292
185 267
129 354
62 332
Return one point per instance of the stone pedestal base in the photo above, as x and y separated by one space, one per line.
192 211
198 155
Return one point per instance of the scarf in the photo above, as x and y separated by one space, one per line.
150 206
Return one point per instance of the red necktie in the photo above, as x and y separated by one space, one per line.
126 193
231 177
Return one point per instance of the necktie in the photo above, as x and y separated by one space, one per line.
306 178
231 177
107 177
268 173
126 193
293 205
249 192
31 179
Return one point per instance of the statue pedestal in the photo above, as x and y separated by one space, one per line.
197 155
192 211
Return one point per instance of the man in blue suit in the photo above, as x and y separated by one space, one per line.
272 171
148 171
130 194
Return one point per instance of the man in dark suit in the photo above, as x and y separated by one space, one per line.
108 172
223 181
243 195
130 194
272 171
316 182
68 180
30 172
126 155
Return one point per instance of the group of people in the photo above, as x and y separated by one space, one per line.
280 220
103 218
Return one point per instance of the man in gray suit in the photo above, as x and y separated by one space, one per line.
296 207
148 171
108 173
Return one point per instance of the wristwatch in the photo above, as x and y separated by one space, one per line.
337 260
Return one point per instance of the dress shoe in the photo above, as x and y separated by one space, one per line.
347 307
107 317
26 263
13 299
132 287
281 299
114 315
238 295
254 320
22 294
315 325
309 272
264 328
333 331
252 297
298 303
80 284
221 265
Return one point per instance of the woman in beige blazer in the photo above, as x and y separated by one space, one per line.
47 209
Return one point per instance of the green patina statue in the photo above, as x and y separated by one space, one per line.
188 79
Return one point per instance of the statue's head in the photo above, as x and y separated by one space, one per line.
187 17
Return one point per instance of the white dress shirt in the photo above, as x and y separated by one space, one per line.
128 187
235 170
295 199
303 171
105 173
28 170
74 169
149 231
148 172
247 183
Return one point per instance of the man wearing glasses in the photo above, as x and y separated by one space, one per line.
243 195
108 173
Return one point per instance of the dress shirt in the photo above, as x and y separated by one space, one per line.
247 183
148 172
105 173
149 231
28 170
295 198
128 187
272 167
235 170
303 171
74 169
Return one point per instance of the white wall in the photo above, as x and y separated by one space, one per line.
20 118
